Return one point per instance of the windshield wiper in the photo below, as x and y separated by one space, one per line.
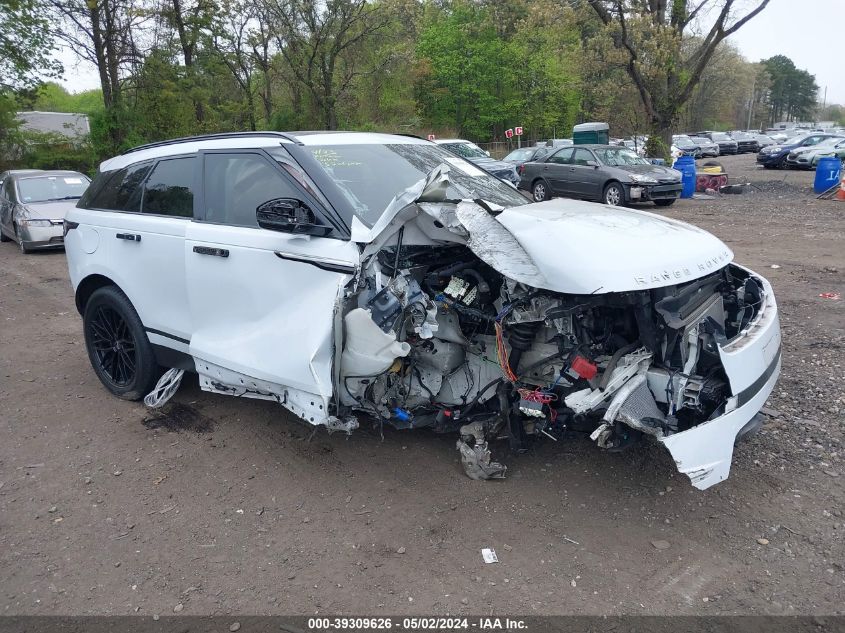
64 198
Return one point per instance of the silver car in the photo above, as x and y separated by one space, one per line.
33 204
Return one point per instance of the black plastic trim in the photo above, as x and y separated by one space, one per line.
752 390
334 268
166 335
172 358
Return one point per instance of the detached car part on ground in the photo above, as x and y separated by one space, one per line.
456 307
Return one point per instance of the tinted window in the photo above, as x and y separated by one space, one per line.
170 188
236 184
562 157
119 190
581 156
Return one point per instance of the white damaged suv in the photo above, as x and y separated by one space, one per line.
356 276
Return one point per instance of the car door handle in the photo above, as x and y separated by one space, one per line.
130 237
208 250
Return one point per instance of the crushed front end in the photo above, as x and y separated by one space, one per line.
467 337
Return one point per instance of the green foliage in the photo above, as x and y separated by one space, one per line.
655 147
25 44
479 72
793 92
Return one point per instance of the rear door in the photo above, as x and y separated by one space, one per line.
263 303
555 170
135 223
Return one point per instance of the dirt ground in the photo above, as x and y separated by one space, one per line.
223 505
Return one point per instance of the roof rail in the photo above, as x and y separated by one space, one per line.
409 135
211 137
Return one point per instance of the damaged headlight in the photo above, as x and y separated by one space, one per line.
644 180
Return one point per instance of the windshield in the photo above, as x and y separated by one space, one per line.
701 140
721 136
520 154
371 175
48 188
619 157
682 141
466 150
741 136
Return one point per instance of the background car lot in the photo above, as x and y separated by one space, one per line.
223 505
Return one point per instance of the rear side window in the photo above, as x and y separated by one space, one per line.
169 190
118 190
237 184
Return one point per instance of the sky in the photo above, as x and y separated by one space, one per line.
806 31
813 43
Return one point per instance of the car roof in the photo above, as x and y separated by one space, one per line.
451 140
249 140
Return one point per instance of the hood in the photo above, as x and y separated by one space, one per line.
587 248
491 164
657 172
567 246
55 210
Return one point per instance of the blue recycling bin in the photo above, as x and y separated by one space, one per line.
686 165
828 173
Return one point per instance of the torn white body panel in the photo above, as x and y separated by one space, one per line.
587 248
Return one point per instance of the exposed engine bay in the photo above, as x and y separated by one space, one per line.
437 338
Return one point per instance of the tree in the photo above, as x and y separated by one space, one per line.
26 46
651 33
792 94
318 40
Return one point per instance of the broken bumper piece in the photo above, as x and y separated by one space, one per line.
752 363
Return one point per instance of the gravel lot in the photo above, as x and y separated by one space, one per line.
224 506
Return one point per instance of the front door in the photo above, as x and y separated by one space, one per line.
263 303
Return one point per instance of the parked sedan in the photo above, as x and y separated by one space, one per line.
683 145
473 153
708 148
33 204
808 157
526 154
726 144
607 173
774 156
745 143
764 140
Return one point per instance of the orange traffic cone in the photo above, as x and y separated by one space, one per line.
840 195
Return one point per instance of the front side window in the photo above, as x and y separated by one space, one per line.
235 185
169 190
50 188
581 157
562 157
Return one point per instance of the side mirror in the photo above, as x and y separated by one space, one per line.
592 163
487 152
289 215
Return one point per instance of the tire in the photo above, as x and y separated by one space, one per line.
614 195
540 191
117 345
665 203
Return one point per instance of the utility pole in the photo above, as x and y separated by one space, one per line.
751 103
